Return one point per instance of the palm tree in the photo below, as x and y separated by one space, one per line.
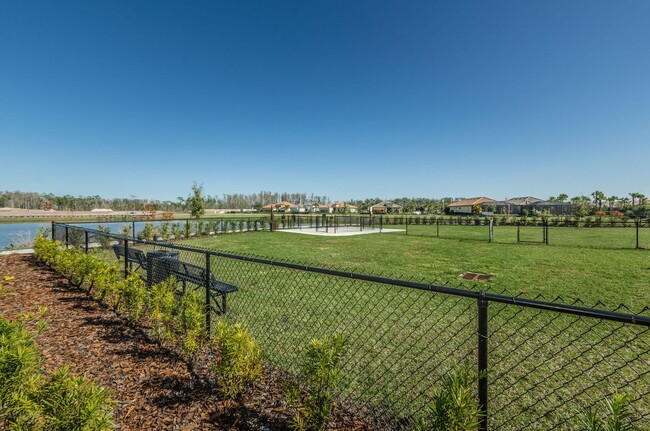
562 197
612 201
598 198
634 196
625 201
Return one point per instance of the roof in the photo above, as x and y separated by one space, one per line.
553 203
282 204
526 200
472 202
386 204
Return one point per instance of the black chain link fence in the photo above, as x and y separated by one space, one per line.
546 362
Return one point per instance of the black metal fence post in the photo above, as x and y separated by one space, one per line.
86 241
491 230
637 233
381 223
67 243
133 229
187 228
52 232
208 319
483 359
518 235
126 261
407 225
438 228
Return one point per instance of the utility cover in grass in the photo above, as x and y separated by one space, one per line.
475 276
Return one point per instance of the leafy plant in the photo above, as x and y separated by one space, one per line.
19 376
73 403
615 416
104 240
321 372
191 320
161 307
164 231
133 294
127 230
148 232
176 230
240 358
454 406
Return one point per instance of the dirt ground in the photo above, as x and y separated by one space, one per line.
152 387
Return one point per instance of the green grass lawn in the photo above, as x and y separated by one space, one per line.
544 367
613 276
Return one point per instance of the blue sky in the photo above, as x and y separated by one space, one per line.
349 99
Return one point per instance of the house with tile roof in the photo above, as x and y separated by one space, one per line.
385 207
466 206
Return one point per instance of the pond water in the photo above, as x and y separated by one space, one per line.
21 235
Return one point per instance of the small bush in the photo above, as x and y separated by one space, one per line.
191 320
321 371
454 406
614 417
73 403
240 358
19 376
104 241
161 308
133 295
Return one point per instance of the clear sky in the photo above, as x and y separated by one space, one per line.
349 99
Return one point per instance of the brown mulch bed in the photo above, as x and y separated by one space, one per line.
152 386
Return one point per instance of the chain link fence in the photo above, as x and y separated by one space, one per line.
546 362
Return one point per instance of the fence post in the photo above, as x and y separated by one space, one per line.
208 322
187 228
491 231
518 233
483 359
126 261
67 244
546 231
381 223
437 228
133 229
637 233
407 225
52 231
86 241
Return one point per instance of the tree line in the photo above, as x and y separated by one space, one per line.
32 200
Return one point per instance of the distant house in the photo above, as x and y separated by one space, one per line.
555 208
280 207
340 207
466 206
326 208
516 205
385 208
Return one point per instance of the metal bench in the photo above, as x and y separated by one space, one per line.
135 255
187 273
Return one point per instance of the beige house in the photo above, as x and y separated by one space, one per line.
466 206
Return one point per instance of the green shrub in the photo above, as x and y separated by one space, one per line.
104 280
19 376
161 307
164 231
454 406
104 241
615 416
127 230
73 403
321 372
240 358
148 232
133 294
176 230
191 321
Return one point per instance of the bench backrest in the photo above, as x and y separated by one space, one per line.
184 271
135 255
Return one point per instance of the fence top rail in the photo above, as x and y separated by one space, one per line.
615 316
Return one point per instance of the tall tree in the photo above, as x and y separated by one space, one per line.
195 202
